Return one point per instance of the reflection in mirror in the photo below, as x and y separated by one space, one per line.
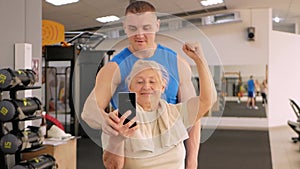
237 102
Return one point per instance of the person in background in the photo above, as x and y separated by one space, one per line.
264 91
240 89
141 25
257 87
157 140
251 94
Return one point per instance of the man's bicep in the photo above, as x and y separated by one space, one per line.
186 88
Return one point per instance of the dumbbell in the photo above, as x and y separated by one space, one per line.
44 161
11 109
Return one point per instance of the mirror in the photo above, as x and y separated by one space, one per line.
235 91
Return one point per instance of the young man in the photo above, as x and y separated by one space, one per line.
141 25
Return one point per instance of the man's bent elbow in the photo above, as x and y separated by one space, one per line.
112 161
214 97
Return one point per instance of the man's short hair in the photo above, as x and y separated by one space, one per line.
139 7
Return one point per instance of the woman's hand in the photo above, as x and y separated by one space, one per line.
193 50
109 123
117 123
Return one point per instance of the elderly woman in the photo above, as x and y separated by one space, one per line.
157 140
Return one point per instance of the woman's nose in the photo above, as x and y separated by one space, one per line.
147 86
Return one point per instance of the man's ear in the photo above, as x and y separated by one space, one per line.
124 27
158 24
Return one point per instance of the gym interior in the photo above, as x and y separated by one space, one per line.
55 80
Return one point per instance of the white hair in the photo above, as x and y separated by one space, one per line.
142 65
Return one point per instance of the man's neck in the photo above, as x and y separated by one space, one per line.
145 53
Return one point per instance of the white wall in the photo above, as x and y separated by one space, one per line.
284 81
21 22
231 42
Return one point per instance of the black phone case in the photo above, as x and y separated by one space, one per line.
127 101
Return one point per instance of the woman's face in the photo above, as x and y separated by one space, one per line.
148 87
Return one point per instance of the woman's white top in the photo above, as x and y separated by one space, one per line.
158 143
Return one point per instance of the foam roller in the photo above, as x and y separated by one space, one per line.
21 140
10 78
44 161
10 109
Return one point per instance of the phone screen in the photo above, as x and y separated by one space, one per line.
127 101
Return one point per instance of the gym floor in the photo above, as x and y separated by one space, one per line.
285 153
226 149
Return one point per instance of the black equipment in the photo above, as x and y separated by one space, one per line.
295 125
14 113
251 33
11 109
127 101
11 78
44 161
29 138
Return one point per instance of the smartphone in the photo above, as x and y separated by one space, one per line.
127 101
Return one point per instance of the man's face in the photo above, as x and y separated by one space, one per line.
141 29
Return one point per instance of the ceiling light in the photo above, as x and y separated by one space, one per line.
211 2
276 19
61 2
106 19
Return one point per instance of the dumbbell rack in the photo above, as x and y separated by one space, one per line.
4 158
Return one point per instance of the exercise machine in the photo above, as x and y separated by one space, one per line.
295 125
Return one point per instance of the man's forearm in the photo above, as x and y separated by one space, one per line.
192 146
113 155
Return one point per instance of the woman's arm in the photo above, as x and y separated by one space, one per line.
208 95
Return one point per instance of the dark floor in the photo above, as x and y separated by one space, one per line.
234 109
236 149
225 149
89 155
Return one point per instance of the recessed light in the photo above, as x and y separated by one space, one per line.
106 19
211 2
61 2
